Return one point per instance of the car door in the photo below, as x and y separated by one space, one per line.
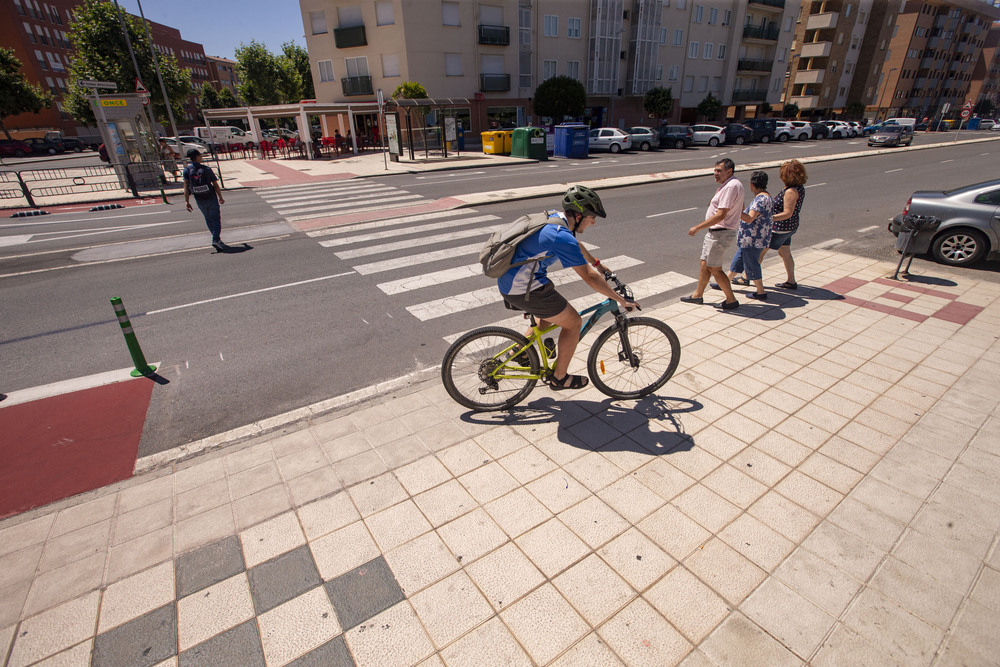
594 140
700 134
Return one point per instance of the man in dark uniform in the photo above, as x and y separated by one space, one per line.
200 181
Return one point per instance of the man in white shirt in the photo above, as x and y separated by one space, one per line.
722 221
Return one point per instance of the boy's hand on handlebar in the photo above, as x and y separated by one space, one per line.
630 304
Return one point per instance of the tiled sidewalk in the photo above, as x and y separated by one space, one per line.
818 484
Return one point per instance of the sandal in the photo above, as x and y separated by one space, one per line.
740 280
575 382
787 285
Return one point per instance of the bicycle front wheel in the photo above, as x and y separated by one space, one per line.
481 372
655 353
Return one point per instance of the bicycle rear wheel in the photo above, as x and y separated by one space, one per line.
470 374
655 349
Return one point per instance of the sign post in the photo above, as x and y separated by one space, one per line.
966 112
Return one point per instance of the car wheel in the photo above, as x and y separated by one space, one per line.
52 151
959 247
713 142
679 143
77 149
802 137
740 141
644 146
18 153
765 139
614 148
782 138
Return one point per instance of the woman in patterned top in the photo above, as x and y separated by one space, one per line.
753 236
787 205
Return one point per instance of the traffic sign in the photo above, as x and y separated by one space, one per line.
965 112
144 98
945 107
139 88
101 85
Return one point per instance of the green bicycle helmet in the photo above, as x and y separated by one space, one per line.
583 199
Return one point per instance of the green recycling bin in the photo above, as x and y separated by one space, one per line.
529 142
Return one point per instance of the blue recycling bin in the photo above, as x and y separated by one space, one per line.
974 123
461 137
572 140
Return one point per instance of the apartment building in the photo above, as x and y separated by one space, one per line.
894 57
38 32
495 53
222 73
985 83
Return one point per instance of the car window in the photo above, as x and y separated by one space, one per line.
992 197
594 133
607 133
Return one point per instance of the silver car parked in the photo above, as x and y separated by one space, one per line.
609 139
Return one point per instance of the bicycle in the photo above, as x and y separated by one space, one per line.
495 368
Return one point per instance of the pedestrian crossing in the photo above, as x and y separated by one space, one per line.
440 250
317 200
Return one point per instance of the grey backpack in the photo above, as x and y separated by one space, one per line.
499 249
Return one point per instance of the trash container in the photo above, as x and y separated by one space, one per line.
529 142
572 140
492 142
974 123
461 137
915 235
508 136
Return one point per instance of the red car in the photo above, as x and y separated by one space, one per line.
12 147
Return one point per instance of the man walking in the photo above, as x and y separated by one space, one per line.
721 220
200 181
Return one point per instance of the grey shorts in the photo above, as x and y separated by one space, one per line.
717 242
544 302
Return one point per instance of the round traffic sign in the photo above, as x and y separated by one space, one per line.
965 113
144 98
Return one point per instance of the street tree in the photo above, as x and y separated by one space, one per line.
409 90
854 110
560 96
710 107
984 107
17 94
209 96
298 58
227 100
101 53
765 108
790 111
659 102
266 78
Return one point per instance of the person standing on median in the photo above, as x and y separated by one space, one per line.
200 181
721 220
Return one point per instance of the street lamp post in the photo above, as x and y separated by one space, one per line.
881 97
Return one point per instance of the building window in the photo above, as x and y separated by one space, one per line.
713 16
390 64
847 10
549 69
356 66
702 84
453 64
449 13
699 11
789 23
325 70
722 52
573 69
682 4
663 36
659 72
318 21
709 51
573 27
727 17
781 55
674 71
688 80
693 49
666 3
679 37
551 25
383 13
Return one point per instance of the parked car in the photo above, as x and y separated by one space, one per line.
676 136
738 133
987 124
73 144
857 129
969 227
838 129
609 139
874 127
784 131
13 147
892 135
643 137
182 147
803 130
820 130
44 146
764 129
713 135
920 127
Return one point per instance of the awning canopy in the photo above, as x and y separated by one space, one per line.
429 102
286 110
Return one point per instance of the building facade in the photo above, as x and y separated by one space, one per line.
495 53
222 74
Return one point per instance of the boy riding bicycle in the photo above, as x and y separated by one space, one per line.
527 286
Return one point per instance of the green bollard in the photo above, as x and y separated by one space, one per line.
141 367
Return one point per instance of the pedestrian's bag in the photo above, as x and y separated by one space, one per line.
499 249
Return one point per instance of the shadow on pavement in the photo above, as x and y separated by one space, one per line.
233 249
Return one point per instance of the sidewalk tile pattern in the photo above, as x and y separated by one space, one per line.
818 484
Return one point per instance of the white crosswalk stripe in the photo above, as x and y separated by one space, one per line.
420 241
316 200
394 233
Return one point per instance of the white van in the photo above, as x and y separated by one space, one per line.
901 121
225 134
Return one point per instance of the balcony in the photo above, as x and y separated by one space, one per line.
816 50
496 35
809 76
822 21
749 95
805 101
769 4
754 65
493 83
356 85
768 32
345 38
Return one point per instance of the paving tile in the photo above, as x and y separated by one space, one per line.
504 575
201 499
579 583
593 521
552 547
213 610
450 608
752 538
252 480
360 467
472 535
6 637
65 583
544 623
76 655
488 482
271 538
782 448
292 442
19 565
953 569
394 637
141 642
139 594
142 521
729 573
735 486
297 626
976 629
674 531
334 653
490 643
641 637
636 559
706 507
976 508
917 592
363 592
343 550
826 586
76 545
422 475
849 454
277 581
239 646
784 516
198 474
517 512
300 462
891 628
594 471
54 630
26 534
203 529
421 562
312 485
663 479
324 516
808 493
398 453
987 590
441 436
500 442
86 514
957 531
558 490
208 565
687 603
396 525
788 617
464 457
741 641
443 503
631 499
248 457
846 647
149 492
377 494
261 506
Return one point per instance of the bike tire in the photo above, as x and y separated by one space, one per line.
657 347
467 363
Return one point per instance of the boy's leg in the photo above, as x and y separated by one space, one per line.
569 337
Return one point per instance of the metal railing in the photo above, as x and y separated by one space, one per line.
770 3
754 65
768 32
494 82
749 95
356 85
345 38
497 35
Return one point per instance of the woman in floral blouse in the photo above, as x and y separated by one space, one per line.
753 236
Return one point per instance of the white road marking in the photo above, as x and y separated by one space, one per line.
426 178
683 210
332 196
341 203
17 239
892 170
256 291
360 209
869 229
68 386
413 260
823 245
430 279
410 243
944 161
815 185
395 233
388 222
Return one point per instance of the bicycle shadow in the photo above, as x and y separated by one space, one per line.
650 425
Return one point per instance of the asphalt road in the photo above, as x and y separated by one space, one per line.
245 336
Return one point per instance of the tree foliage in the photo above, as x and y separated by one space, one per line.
17 94
101 53
765 108
409 90
265 78
854 110
984 107
659 102
710 107
298 58
209 96
560 96
791 110
227 100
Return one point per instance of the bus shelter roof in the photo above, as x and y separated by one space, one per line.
286 110
429 102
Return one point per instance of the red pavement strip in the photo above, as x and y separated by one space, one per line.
57 447
956 311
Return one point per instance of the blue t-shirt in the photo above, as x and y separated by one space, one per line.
551 244
200 178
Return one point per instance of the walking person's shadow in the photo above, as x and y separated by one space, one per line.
232 249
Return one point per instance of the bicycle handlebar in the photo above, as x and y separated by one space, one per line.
619 287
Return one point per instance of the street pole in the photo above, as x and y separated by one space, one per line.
135 63
156 64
